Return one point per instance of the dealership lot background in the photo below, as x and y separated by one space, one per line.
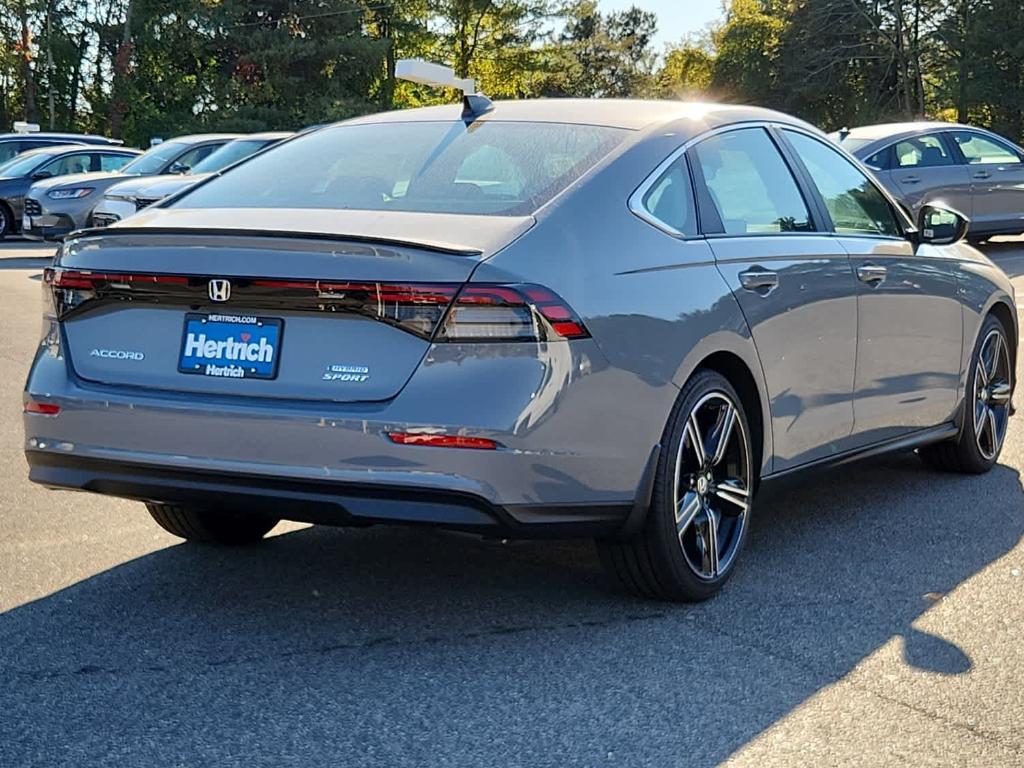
875 620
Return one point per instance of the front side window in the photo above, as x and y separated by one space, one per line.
925 151
981 150
854 203
62 166
750 184
489 167
193 157
669 199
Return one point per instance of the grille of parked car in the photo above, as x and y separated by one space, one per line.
104 219
33 207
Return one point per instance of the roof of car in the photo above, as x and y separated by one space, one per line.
887 130
58 149
198 138
88 138
265 136
634 114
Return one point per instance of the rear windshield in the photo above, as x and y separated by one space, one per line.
489 167
851 144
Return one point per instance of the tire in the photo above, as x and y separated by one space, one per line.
667 562
209 525
986 407
6 221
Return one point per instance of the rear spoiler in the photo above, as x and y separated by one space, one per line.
425 245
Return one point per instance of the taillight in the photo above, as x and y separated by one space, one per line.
484 312
43 409
446 312
443 441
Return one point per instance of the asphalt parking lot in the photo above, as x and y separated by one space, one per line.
875 620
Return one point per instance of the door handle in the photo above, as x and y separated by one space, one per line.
911 180
871 273
760 280
982 175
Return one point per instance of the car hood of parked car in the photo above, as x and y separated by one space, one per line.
460 234
154 187
70 181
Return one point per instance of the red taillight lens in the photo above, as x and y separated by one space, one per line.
510 313
443 441
44 409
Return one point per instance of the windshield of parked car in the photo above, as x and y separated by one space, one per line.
230 153
154 159
24 164
487 167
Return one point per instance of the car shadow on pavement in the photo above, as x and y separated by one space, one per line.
390 646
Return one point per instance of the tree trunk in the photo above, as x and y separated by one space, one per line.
122 68
27 73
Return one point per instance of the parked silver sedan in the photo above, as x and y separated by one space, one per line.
547 318
977 172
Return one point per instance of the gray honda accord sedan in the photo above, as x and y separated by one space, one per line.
612 319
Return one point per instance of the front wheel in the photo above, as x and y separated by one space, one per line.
986 412
6 221
210 525
700 510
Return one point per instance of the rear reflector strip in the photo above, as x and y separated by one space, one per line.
443 441
44 409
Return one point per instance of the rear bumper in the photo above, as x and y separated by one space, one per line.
572 460
322 501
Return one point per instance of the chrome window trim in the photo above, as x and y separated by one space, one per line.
636 204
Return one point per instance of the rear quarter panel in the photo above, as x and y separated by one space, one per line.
655 304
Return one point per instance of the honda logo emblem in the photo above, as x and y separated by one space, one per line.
220 290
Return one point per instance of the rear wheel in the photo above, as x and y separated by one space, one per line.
214 526
986 407
697 524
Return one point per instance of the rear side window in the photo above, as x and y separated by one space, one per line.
925 151
981 150
854 203
751 185
669 199
488 167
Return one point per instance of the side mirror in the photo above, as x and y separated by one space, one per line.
939 225
178 168
39 175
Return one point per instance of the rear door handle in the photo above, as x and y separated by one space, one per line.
760 280
871 273
911 180
982 175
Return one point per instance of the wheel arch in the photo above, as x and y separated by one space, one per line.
1002 311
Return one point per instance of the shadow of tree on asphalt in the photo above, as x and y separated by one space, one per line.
387 645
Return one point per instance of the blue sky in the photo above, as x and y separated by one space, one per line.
676 18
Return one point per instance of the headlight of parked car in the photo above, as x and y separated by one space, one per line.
69 194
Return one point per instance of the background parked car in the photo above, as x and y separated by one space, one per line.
12 144
19 173
57 206
126 197
977 172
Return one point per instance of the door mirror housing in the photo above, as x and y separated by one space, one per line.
39 175
940 225
178 168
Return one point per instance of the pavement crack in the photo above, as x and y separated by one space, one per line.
385 641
